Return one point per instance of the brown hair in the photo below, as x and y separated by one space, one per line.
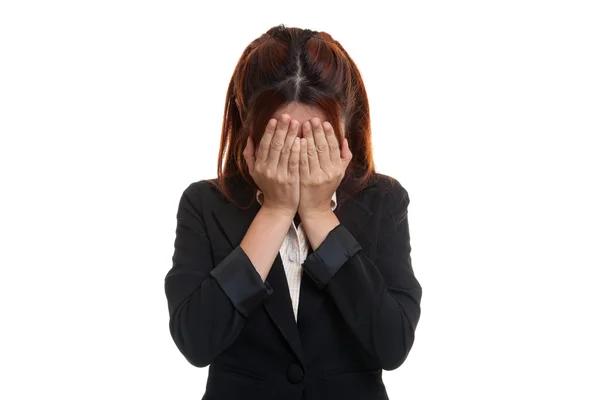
286 65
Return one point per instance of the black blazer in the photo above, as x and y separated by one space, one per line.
359 299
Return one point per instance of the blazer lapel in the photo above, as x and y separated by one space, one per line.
279 307
352 214
235 223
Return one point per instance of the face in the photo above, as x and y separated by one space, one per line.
301 113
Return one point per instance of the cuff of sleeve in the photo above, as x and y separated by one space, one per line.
337 248
240 281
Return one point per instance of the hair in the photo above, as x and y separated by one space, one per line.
286 65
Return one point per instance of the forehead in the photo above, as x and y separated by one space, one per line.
300 112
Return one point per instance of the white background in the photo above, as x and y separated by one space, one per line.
486 111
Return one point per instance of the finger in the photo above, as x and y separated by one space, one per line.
321 144
304 166
346 154
332 141
263 148
249 154
277 140
292 133
293 168
313 159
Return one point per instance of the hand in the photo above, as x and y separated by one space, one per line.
275 166
322 167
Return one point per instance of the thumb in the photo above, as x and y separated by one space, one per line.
346 154
249 154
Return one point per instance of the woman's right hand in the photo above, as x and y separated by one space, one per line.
274 166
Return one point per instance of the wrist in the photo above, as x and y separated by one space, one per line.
315 213
278 212
317 226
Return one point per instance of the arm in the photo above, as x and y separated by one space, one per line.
208 304
378 297
318 226
264 238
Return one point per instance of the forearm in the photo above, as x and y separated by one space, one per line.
206 323
264 238
382 316
383 313
318 226
208 302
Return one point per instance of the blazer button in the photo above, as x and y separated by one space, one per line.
295 373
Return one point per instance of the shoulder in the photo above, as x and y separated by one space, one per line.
387 194
199 192
210 193
389 188
388 184
200 188
377 190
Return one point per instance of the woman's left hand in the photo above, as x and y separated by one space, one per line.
322 167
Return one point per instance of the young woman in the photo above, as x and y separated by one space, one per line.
292 272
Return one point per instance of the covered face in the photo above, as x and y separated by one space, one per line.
302 113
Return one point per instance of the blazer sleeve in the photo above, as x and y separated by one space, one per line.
378 297
208 304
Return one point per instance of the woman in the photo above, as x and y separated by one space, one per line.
292 273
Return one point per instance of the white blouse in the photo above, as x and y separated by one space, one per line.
293 252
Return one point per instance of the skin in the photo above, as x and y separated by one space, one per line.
298 165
